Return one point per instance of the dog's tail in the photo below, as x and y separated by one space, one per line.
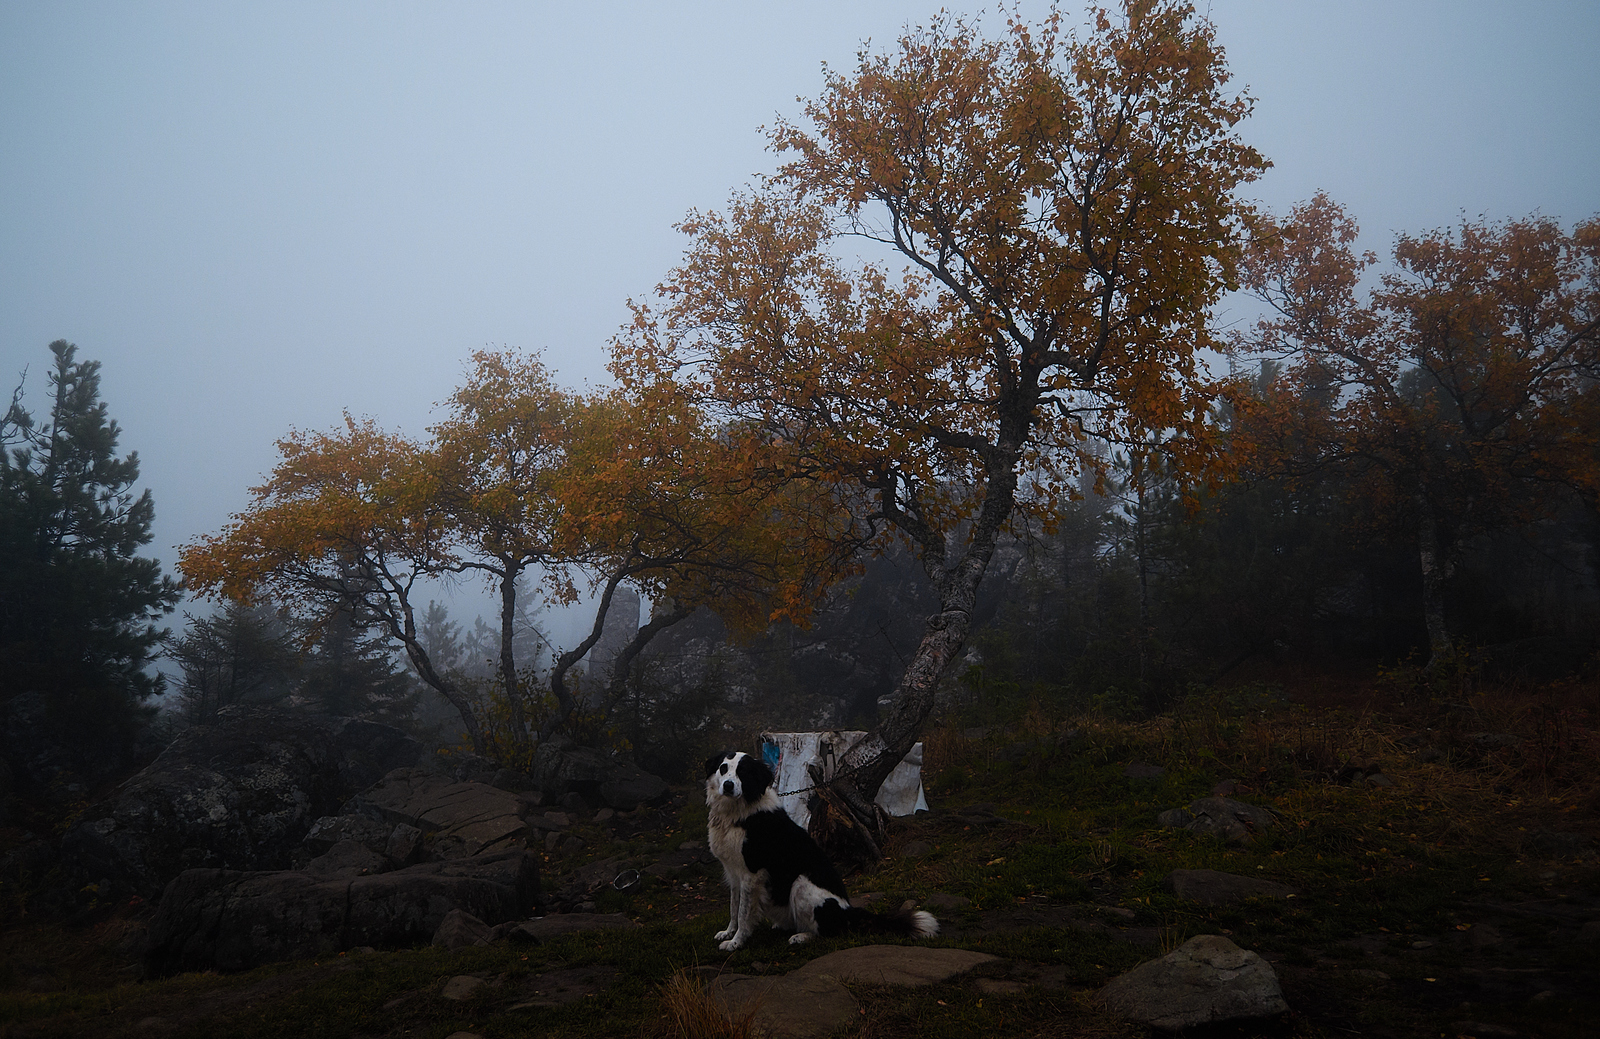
907 921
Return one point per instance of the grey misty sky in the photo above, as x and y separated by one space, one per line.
259 215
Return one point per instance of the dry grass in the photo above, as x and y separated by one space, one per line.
694 1014
1485 766
944 747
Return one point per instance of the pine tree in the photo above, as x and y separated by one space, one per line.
352 671
245 654
78 605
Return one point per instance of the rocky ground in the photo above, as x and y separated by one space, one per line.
1516 964
1092 882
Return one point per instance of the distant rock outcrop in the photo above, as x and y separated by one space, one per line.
463 819
217 919
272 835
561 767
239 794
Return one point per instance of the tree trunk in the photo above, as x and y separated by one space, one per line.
618 684
448 690
1435 572
402 624
565 704
1140 550
851 834
867 764
508 656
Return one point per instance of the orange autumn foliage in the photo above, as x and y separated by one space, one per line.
1066 212
1461 382
348 517
520 477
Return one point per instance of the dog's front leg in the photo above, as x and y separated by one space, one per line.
744 917
735 905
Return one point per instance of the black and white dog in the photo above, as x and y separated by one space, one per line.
774 868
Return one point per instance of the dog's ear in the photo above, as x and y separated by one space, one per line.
754 776
715 762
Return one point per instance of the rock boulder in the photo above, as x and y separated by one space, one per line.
217 919
239 794
561 768
1223 816
460 929
332 829
1205 980
630 786
463 819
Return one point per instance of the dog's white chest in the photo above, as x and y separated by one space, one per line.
726 840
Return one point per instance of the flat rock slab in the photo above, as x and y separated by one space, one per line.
463 987
465 818
905 965
1206 979
1213 888
1012 977
600 873
790 1006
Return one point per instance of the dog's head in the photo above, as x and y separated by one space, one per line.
735 774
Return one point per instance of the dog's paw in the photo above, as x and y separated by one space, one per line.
723 935
731 945
800 937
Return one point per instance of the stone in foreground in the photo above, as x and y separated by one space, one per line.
908 966
793 1006
1207 979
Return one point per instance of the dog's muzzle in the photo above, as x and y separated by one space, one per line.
727 788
